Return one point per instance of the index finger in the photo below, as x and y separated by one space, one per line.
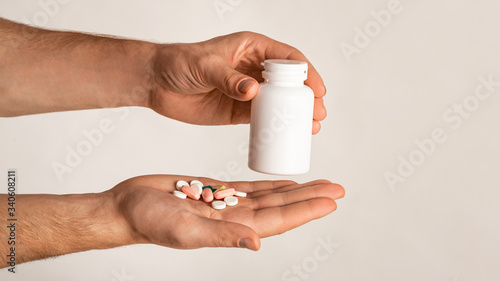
314 80
255 186
279 50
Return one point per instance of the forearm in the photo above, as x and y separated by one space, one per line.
53 225
45 71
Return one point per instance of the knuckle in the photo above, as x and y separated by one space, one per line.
247 34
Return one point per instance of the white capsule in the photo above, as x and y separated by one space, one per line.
196 185
180 194
180 184
240 194
231 201
218 205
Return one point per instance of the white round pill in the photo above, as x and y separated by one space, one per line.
180 194
180 184
218 205
196 182
240 194
231 201
198 186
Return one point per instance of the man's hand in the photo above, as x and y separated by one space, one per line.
212 82
144 210
206 83
271 208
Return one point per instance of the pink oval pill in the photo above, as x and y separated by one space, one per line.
208 195
190 192
221 194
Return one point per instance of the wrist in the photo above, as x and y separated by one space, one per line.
53 225
92 217
122 233
140 59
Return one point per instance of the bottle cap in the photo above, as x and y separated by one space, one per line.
284 70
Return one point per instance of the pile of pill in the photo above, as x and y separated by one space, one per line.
219 197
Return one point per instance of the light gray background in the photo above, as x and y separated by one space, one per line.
441 223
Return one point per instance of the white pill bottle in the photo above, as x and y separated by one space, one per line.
281 120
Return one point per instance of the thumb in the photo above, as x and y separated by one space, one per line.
219 233
232 83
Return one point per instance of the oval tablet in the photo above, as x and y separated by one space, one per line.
207 195
218 205
231 201
190 192
224 193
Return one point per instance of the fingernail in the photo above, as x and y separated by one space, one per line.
247 243
245 85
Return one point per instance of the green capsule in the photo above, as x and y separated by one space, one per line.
211 188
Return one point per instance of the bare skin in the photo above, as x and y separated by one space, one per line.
144 210
206 83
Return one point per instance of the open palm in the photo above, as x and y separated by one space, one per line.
271 207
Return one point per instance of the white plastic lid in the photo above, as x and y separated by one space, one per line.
286 70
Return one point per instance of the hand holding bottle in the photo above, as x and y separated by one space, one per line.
211 82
